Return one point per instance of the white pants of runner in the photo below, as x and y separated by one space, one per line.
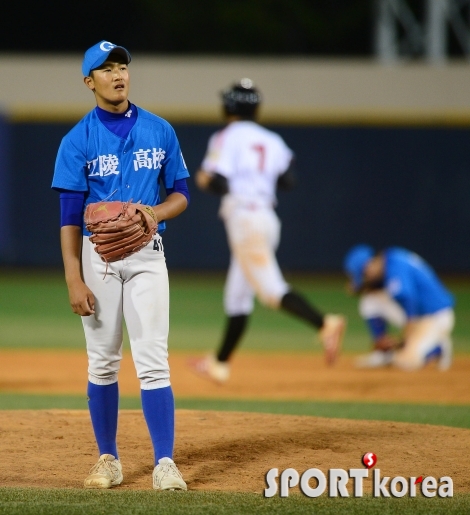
422 334
253 234
136 290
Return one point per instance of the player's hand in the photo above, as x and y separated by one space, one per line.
388 342
202 179
82 300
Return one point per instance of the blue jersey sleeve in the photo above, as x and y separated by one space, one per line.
174 167
70 167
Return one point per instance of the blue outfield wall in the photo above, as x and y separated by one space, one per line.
384 186
6 226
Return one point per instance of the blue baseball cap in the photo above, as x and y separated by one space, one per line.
355 262
97 54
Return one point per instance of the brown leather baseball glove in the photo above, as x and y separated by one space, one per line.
388 342
119 229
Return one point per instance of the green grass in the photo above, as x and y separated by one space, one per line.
454 416
29 501
34 313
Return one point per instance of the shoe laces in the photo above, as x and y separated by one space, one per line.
104 467
170 469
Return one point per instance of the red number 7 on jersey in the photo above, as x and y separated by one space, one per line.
262 152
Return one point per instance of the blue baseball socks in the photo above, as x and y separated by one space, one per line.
103 403
159 411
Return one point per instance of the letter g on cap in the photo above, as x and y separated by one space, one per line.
106 46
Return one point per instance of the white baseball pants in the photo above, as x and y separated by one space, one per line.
253 234
422 334
379 304
136 290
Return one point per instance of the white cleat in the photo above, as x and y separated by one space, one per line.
210 368
375 359
107 472
166 476
331 336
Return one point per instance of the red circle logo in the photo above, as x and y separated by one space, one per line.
369 460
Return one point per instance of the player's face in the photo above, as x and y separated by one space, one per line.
374 270
110 83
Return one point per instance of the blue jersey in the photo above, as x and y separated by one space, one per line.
414 284
96 161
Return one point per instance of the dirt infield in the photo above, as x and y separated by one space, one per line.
255 376
233 451
226 451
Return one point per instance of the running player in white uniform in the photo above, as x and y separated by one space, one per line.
119 151
245 164
399 288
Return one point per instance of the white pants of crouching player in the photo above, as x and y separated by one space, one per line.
379 304
422 335
136 289
253 233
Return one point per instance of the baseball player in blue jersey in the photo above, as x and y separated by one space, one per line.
121 152
399 288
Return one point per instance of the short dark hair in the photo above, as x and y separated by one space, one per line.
241 99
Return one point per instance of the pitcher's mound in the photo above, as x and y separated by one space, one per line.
226 450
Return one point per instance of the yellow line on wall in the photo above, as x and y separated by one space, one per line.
373 117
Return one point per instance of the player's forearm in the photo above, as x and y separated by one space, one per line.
81 297
71 245
212 182
173 205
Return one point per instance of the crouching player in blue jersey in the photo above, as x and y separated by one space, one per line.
398 287
121 152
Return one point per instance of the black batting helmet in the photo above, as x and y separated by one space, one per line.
241 99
